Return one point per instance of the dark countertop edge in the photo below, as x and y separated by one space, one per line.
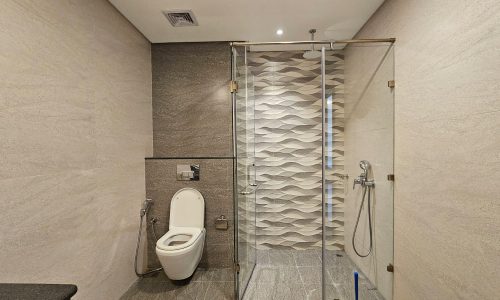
32 291
201 157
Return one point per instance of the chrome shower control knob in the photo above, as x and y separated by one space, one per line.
359 181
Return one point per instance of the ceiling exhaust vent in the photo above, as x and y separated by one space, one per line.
181 18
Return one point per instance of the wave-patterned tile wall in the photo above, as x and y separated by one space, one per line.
288 146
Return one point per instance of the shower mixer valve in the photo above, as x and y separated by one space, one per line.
362 179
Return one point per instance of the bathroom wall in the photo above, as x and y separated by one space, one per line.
369 135
288 149
446 146
192 110
192 115
75 122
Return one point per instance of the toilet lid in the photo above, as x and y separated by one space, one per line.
163 242
187 209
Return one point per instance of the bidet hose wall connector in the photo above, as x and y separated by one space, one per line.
365 189
137 249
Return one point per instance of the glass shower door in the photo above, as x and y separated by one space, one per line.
358 159
245 186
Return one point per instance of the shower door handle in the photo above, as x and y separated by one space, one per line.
254 175
250 191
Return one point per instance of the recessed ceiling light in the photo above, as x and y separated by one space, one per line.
279 31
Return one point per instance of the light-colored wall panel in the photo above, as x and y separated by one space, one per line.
75 122
446 146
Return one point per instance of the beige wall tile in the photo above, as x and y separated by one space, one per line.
75 121
446 204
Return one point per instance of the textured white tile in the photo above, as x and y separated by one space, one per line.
288 147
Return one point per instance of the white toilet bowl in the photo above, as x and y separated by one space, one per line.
180 249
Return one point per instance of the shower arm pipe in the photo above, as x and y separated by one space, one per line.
331 43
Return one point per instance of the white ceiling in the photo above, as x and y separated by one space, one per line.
249 20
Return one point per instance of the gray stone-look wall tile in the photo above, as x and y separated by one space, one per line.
192 109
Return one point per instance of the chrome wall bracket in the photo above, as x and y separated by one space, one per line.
390 268
233 86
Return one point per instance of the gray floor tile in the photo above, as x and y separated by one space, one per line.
275 275
340 275
310 275
289 291
149 287
138 295
259 291
278 279
225 274
193 291
340 269
346 291
305 258
202 274
220 291
281 258
313 291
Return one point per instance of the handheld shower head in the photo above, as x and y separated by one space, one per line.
364 165
363 177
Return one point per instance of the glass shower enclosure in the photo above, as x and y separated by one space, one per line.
245 185
356 94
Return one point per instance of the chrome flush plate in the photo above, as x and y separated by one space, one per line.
188 172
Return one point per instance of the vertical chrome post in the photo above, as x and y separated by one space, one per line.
323 181
234 54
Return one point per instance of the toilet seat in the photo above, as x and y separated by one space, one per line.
179 238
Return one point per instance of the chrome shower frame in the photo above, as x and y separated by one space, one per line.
326 45
330 43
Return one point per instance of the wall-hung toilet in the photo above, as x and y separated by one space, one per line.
180 249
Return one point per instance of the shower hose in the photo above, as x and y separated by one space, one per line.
153 221
365 189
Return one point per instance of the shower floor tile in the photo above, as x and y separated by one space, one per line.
275 277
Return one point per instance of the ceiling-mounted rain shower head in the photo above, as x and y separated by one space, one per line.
312 54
